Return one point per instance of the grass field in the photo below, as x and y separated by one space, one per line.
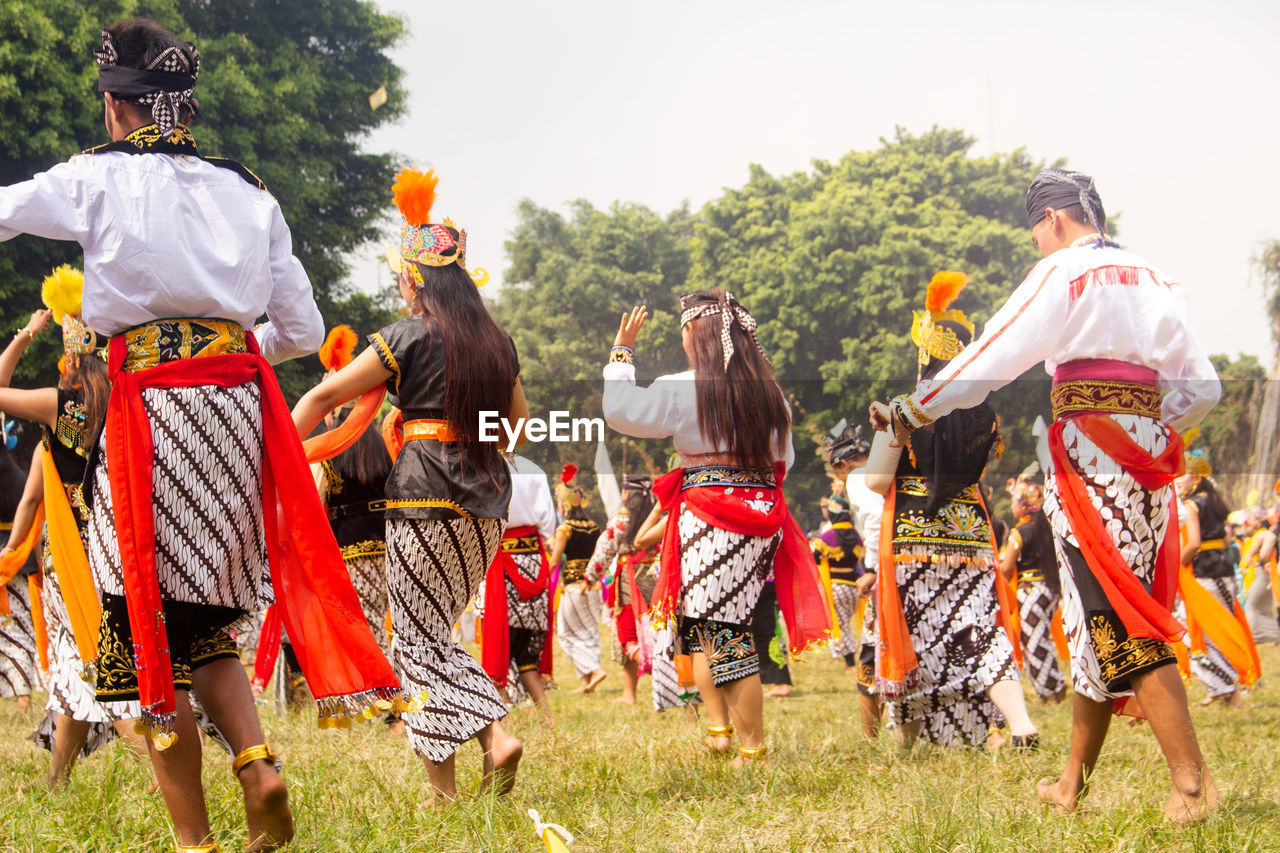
624 778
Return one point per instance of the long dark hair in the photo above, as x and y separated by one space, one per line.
1216 503
87 374
479 358
366 461
638 503
742 408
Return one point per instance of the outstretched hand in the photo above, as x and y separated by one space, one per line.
629 328
39 320
883 420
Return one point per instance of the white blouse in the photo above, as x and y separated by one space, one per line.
171 236
531 501
666 409
1084 302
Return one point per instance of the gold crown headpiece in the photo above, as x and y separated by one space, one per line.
62 290
1196 461
433 245
932 340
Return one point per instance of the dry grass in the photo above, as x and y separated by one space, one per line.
624 778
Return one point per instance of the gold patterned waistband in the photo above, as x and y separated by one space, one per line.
521 545
174 340
1212 545
1086 396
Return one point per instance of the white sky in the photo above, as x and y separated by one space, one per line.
1170 106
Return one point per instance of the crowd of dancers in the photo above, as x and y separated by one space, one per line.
140 557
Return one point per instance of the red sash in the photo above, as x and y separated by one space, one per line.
495 643
344 666
796 577
1144 614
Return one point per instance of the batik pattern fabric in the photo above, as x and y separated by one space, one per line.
1212 667
1037 603
207 491
434 569
666 690
530 615
578 627
17 643
1104 658
730 649
722 572
844 599
71 685
369 577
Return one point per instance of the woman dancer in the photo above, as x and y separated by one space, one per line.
448 492
578 616
730 423
937 590
76 723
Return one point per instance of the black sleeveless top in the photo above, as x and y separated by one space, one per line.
1214 562
581 545
356 514
69 447
1037 560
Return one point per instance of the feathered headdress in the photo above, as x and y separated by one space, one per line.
1026 489
62 291
1197 461
568 492
932 340
844 441
338 348
422 242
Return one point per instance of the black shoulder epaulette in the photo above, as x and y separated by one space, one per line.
239 168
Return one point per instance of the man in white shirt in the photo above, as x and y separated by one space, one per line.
1128 371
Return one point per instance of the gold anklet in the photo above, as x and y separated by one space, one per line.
753 753
211 847
250 754
720 731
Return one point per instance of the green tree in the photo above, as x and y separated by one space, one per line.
283 89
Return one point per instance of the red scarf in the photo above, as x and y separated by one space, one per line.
495 643
1144 614
796 577
344 666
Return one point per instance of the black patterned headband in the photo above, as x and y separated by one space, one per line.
165 85
695 305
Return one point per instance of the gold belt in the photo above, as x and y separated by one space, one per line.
1085 396
427 429
1212 545
521 545
174 340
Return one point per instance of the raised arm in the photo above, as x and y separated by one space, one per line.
13 352
364 372
54 204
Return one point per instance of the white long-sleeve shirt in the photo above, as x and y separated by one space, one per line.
666 409
171 236
1081 303
866 507
531 501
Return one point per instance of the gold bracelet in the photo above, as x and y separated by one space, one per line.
24 329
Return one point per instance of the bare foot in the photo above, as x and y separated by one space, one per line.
594 680
396 728
24 703
1206 702
851 669
996 740
501 762
718 743
1234 700
1053 793
266 807
1182 809
779 691
624 699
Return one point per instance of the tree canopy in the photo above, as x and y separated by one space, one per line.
283 88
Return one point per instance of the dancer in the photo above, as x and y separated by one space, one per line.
946 664
730 423
770 642
1115 334
839 549
76 724
18 659
1223 655
578 616
178 541
1029 558
448 492
516 609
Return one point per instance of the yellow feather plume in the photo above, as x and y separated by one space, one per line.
415 192
1190 436
61 290
339 348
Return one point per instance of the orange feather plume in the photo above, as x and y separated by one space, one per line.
944 287
339 348
415 192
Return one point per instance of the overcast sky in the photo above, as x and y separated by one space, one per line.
1171 106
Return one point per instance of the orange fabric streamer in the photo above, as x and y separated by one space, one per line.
35 588
12 563
75 581
1228 629
897 669
1275 579
329 444
1060 636
393 432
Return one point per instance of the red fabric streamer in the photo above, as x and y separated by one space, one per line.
344 666
495 643
796 576
1144 614
264 662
